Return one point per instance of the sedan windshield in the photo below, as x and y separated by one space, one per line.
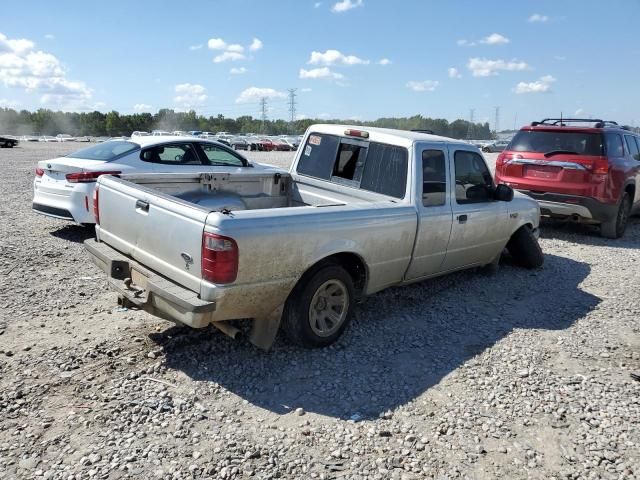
106 151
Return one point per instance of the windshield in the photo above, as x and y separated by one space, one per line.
106 151
541 141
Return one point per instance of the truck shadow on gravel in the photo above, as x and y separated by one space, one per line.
75 233
401 342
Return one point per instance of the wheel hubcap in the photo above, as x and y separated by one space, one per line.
328 308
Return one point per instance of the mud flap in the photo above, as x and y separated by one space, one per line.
264 330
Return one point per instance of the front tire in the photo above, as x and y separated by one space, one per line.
616 227
319 307
525 249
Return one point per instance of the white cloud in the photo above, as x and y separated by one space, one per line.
195 47
579 111
34 71
384 61
423 86
495 39
454 73
482 67
254 94
320 73
238 71
142 107
306 90
465 43
217 44
235 47
542 85
190 95
256 45
228 57
538 18
334 57
345 5
317 5
50 36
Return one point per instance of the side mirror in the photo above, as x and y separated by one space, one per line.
503 193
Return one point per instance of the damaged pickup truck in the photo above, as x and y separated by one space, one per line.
360 210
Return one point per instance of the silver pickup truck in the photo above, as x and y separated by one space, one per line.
361 209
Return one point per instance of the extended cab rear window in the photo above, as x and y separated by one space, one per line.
107 151
570 142
372 166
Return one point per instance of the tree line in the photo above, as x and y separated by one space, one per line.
111 124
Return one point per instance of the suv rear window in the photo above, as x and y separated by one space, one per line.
545 141
109 150
371 166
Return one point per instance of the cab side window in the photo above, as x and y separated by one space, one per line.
474 183
175 154
434 178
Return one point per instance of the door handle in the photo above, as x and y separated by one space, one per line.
141 205
462 219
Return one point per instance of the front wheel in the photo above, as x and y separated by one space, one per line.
319 308
525 249
615 227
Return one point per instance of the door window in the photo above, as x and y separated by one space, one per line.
474 183
171 154
434 178
632 147
219 156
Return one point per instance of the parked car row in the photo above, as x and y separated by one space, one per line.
247 142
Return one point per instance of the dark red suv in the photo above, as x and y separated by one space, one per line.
578 169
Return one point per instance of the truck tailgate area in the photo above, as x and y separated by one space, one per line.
163 233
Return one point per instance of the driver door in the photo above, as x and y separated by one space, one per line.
480 223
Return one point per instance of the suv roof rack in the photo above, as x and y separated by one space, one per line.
561 122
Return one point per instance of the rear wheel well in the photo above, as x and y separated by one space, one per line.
352 263
631 190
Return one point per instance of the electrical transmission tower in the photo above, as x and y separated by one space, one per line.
496 125
470 129
263 112
292 108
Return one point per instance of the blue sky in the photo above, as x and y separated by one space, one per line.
359 59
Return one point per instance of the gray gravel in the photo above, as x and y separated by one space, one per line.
517 375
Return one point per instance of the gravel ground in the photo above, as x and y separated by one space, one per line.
517 375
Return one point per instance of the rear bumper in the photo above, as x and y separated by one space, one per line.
65 202
151 292
585 208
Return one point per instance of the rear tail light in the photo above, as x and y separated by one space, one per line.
39 172
96 204
219 258
600 166
87 177
500 159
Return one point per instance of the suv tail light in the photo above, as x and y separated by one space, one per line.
219 258
96 205
87 177
39 172
600 166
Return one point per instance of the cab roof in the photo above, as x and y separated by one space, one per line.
404 138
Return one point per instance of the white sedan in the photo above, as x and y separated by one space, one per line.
63 187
